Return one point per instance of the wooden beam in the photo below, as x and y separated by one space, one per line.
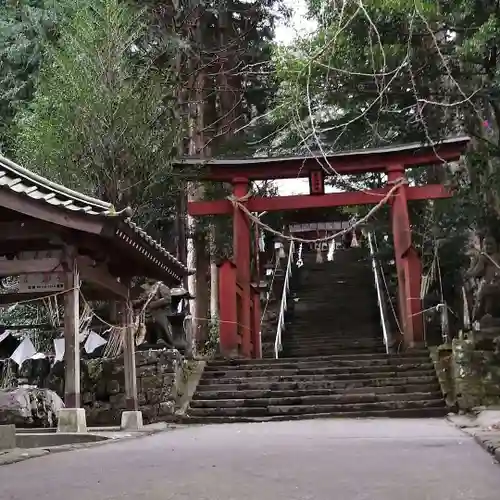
29 230
297 202
99 275
48 213
71 331
29 266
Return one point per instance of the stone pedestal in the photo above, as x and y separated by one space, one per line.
7 437
131 421
72 420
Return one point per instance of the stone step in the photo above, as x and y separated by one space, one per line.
344 343
355 319
284 364
349 275
345 310
301 393
360 320
306 353
425 380
250 377
348 315
354 269
327 370
403 355
320 347
317 327
314 400
337 345
318 408
333 339
340 285
295 338
353 341
338 265
339 262
423 412
335 281
300 320
347 342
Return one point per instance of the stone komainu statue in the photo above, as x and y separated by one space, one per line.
486 268
157 299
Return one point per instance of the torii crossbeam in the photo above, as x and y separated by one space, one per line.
392 161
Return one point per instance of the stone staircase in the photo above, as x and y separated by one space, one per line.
333 362
335 308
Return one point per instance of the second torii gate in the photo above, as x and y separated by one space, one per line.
239 311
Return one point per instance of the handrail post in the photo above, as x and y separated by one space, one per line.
283 304
383 319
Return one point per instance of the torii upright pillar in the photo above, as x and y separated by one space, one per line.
241 250
408 264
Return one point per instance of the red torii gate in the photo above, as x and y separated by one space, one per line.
239 302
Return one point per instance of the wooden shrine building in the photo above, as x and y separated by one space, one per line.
84 249
239 320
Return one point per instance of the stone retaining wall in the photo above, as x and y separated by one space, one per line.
161 375
442 357
476 374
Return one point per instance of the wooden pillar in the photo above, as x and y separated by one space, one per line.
71 331
408 264
129 358
256 338
241 246
228 326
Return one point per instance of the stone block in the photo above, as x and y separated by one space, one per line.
150 413
88 398
29 407
7 437
103 414
147 370
149 357
148 383
72 420
114 387
476 373
141 398
118 400
131 421
154 396
166 408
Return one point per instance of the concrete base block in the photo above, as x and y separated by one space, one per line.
131 421
7 437
72 420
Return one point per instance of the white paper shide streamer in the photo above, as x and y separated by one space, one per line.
94 340
25 350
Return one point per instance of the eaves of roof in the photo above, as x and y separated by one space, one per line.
23 182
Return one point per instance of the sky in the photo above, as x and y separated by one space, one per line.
285 34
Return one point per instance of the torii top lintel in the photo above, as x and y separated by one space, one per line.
345 163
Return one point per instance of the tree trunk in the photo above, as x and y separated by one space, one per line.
196 241
214 278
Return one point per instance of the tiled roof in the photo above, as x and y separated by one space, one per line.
256 160
26 183
22 181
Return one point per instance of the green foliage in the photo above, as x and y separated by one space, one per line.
211 345
26 26
103 117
